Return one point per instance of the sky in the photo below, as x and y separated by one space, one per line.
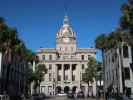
38 21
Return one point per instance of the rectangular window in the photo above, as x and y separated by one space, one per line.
43 57
50 66
82 57
59 78
83 66
73 66
59 66
50 57
50 77
127 73
125 52
73 77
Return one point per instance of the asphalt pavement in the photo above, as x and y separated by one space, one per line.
65 98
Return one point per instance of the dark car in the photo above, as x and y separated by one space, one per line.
80 94
70 95
36 97
42 95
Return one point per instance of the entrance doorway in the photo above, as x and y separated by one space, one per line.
58 89
74 89
66 89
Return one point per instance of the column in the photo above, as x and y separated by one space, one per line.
62 77
62 68
71 72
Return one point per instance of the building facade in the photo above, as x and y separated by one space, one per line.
65 64
12 76
119 70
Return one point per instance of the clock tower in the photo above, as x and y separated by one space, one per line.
66 38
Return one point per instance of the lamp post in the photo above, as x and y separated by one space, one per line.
97 89
80 80
54 84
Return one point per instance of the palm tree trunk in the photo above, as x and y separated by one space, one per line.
103 59
7 77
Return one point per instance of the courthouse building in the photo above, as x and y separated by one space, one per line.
65 63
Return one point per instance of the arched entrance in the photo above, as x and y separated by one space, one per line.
58 89
74 89
66 89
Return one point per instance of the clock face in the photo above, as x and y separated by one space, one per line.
66 40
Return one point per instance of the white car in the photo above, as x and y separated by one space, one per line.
4 97
61 94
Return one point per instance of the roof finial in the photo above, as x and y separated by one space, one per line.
66 20
65 9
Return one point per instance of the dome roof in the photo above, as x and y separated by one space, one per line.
65 30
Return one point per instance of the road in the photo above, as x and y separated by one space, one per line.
65 98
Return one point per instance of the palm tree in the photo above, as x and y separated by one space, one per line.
8 37
2 23
12 46
126 21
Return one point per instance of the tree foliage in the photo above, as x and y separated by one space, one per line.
38 75
11 44
124 32
126 20
90 71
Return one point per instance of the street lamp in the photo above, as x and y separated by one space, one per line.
97 89
54 84
80 80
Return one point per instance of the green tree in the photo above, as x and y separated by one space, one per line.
90 72
11 45
126 20
38 76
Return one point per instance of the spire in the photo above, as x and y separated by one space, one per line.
66 21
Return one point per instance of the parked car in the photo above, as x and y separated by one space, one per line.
80 94
4 97
70 95
36 97
42 95
61 94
